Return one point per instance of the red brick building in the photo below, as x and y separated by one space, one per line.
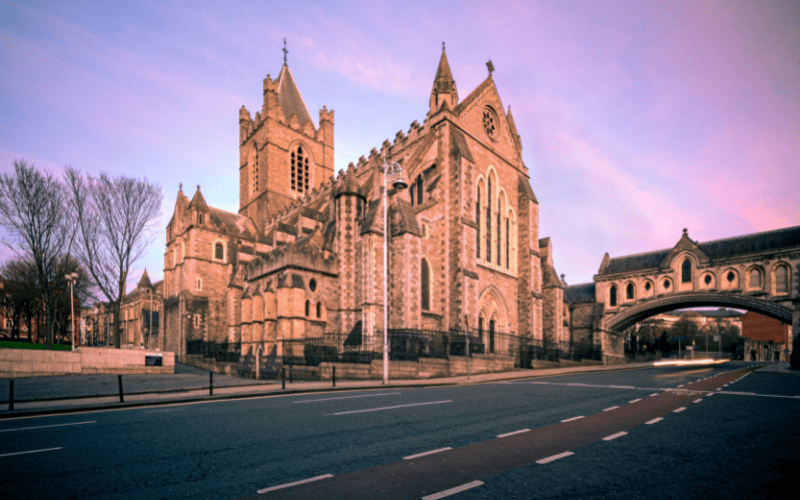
765 338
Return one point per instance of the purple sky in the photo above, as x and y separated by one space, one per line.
637 118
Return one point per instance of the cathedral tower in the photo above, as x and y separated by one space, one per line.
282 154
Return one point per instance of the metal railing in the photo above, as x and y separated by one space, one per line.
404 345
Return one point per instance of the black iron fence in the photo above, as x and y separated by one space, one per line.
404 345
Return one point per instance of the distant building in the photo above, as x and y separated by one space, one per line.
764 338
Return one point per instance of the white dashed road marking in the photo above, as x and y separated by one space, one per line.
571 419
25 452
614 436
453 491
513 433
296 483
554 457
654 421
425 453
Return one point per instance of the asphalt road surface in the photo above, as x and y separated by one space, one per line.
647 433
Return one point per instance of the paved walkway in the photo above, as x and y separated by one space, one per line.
66 394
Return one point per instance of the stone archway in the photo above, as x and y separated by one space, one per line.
492 308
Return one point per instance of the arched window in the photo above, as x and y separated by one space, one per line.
612 296
491 335
426 285
508 244
478 222
489 220
319 309
686 271
419 189
499 258
781 280
219 251
308 308
301 175
755 278
629 291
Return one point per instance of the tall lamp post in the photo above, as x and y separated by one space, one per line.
72 278
392 171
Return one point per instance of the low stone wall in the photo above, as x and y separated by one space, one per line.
424 368
15 363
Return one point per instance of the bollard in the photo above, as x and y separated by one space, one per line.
119 377
10 395
210 383
334 375
290 374
283 377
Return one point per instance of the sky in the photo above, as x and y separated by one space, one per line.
638 119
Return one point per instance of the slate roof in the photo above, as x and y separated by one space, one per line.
576 294
290 98
716 250
144 282
235 222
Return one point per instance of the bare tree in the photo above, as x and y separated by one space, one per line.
117 219
34 211
19 300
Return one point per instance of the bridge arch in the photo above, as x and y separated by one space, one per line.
643 310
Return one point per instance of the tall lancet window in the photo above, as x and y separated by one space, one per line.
478 222
489 221
425 278
301 174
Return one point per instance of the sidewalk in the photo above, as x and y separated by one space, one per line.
69 394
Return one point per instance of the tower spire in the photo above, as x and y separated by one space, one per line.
444 86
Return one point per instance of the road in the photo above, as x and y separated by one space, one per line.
742 442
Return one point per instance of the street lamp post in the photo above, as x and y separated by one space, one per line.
72 277
394 171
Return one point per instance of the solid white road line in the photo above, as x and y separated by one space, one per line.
614 436
635 401
453 491
697 400
621 387
296 483
571 419
392 407
31 451
654 421
347 397
612 408
424 453
44 426
678 410
554 457
513 433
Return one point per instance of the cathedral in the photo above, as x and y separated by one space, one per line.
304 256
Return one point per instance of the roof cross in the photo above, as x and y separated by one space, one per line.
284 50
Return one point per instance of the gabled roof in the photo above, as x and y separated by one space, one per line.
716 250
473 95
233 222
577 294
290 98
198 201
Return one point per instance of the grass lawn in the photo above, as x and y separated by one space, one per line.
9 344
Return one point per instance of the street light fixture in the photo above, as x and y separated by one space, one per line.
72 278
392 171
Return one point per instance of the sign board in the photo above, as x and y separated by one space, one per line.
154 359
716 338
690 348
